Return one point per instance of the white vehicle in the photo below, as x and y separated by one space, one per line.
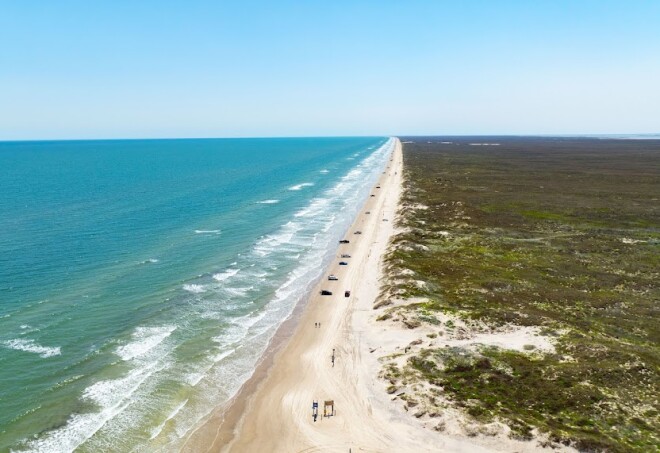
332 277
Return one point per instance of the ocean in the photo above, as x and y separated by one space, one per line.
141 280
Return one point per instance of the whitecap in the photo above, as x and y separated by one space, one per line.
300 186
192 379
222 276
207 231
27 345
223 355
239 292
195 289
268 201
277 241
144 340
324 171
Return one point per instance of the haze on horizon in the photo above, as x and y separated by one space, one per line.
77 69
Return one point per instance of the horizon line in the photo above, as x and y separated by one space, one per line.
574 135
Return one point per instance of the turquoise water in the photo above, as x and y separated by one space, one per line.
141 280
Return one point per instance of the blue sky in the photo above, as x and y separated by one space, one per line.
123 69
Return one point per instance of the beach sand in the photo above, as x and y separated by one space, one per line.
273 411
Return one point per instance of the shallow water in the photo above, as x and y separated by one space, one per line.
140 281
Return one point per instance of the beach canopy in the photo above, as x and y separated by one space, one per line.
329 408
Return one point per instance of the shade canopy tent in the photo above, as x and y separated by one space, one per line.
328 408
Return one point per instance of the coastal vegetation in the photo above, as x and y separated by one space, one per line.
554 240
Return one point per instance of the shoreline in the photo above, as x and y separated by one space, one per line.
273 410
221 427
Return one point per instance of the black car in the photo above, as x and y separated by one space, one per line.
343 263
344 241
325 292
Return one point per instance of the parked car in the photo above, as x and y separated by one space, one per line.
325 292
344 241
377 187
347 293
332 277
368 212
358 232
373 195
345 255
343 263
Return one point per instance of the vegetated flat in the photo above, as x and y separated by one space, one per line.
560 233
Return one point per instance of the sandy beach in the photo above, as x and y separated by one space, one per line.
273 411
278 416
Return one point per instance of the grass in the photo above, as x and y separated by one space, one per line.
558 233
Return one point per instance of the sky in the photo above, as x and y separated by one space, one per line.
142 69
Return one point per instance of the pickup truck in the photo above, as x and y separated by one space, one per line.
332 277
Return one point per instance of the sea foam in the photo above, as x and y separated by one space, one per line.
144 340
222 276
27 345
111 396
193 288
300 186
207 231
